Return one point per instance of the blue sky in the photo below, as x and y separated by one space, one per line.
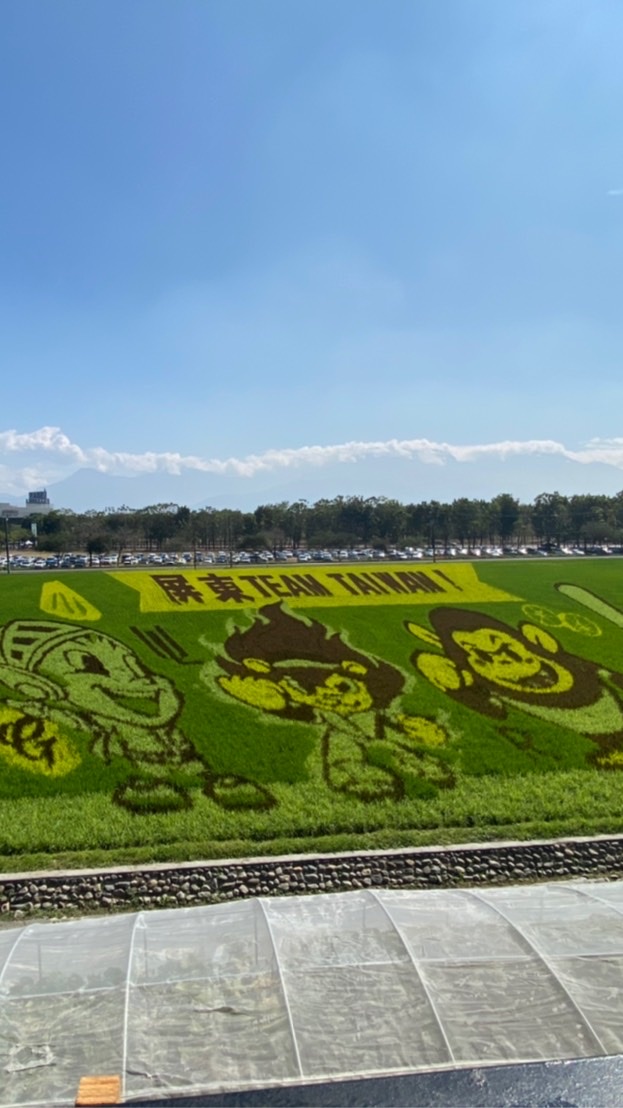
266 244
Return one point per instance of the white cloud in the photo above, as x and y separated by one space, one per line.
48 455
615 192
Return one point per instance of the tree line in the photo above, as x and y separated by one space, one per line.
342 522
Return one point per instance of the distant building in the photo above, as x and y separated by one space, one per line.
37 503
39 498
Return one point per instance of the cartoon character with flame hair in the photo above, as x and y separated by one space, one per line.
295 669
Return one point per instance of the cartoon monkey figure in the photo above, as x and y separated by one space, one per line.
492 667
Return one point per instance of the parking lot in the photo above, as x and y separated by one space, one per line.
198 558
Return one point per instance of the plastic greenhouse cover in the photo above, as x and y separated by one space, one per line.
263 992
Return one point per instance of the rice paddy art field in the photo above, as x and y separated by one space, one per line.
193 714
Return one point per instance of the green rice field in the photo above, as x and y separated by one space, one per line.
207 713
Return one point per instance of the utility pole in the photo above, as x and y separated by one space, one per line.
6 542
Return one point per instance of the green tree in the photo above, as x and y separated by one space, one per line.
464 517
550 517
295 523
504 516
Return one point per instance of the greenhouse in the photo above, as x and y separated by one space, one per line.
275 992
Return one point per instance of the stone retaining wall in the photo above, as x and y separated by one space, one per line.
186 884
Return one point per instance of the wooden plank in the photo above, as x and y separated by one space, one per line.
99 1090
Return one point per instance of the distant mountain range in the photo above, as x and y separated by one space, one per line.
406 479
